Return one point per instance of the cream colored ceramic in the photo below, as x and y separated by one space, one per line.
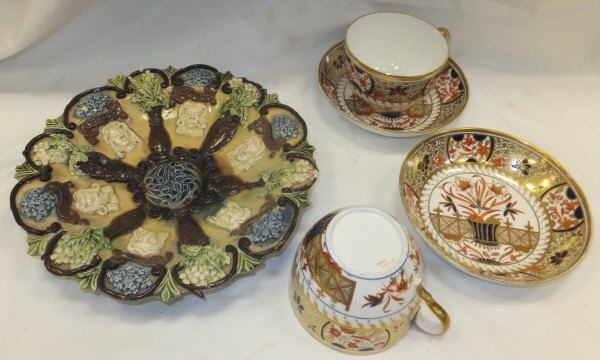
391 58
356 283
495 206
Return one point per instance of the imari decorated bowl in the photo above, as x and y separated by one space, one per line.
356 282
495 206
164 182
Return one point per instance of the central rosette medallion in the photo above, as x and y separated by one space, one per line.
172 184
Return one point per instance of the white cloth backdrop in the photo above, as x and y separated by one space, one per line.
533 70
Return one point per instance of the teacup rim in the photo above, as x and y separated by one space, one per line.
382 74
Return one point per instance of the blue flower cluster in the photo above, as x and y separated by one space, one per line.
91 105
284 126
37 204
172 184
198 77
130 280
272 225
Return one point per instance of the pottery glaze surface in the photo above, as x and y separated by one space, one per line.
495 206
164 182
356 280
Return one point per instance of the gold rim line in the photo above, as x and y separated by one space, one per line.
439 311
570 180
395 77
409 132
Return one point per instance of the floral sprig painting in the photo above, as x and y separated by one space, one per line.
478 199
392 291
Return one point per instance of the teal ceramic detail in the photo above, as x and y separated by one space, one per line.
172 184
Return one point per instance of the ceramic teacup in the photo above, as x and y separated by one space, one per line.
356 282
392 57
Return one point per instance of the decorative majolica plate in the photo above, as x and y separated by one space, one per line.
495 206
164 182
446 97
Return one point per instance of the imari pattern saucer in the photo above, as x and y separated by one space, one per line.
445 98
495 206
164 182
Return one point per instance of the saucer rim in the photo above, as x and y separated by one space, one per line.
389 132
571 181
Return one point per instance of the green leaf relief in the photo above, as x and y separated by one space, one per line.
289 174
24 170
224 78
170 71
243 97
59 148
269 99
79 154
147 92
202 265
246 263
118 81
167 288
275 178
303 149
89 278
78 249
300 198
37 245
55 124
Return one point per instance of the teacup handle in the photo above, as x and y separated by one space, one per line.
445 33
426 325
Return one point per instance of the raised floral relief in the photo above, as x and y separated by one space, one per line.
284 126
291 174
198 77
57 149
91 105
146 243
37 204
130 280
77 249
230 216
96 200
203 265
120 138
247 154
192 119
272 225
243 96
153 198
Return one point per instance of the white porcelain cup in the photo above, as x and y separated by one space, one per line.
356 282
391 58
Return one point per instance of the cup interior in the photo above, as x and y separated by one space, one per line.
396 44
366 242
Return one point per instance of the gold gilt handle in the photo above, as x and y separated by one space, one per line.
445 33
426 325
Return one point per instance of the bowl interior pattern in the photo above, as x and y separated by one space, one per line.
495 206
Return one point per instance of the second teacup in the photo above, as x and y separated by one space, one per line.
356 282
391 59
